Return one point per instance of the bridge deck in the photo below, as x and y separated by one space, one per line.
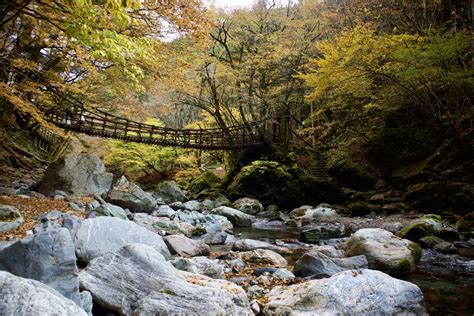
101 124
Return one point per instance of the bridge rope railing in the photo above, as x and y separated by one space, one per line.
72 115
102 124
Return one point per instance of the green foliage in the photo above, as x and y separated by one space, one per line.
206 180
93 49
369 72
139 159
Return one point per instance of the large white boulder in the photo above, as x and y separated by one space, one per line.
385 251
78 174
236 217
138 280
351 292
98 236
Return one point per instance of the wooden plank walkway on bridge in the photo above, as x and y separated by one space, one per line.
102 124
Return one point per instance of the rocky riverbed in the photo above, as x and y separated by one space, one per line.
84 245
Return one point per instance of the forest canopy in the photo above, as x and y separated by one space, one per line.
319 69
55 48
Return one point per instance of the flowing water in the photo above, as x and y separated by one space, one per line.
447 281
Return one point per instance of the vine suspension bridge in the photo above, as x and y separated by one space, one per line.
102 124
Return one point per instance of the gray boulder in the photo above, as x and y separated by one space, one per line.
316 264
177 206
236 217
283 274
57 219
385 251
163 224
29 297
10 218
308 212
445 247
248 206
78 174
129 195
169 192
216 201
185 247
252 244
111 210
204 220
322 231
338 243
192 206
363 292
200 265
330 251
210 228
255 291
138 280
164 211
98 236
47 257
429 241
263 256
5 244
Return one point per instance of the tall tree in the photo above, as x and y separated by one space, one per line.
52 48
254 55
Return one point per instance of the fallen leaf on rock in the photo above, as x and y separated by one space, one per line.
31 208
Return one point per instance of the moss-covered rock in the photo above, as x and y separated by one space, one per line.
248 205
8 213
108 209
364 208
169 192
351 174
425 226
321 232
205 181
265 180
10 218
441 196
434 217
384 251
429 241
287 186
